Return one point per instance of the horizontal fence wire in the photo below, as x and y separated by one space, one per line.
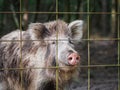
29 12
81 66
103 39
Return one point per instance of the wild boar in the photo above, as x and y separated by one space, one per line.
41 57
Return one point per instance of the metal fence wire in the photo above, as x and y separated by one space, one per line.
100 55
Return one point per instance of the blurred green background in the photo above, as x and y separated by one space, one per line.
103 14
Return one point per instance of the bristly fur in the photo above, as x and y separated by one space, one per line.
20 60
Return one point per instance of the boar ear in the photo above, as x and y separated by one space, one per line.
76 29
38 31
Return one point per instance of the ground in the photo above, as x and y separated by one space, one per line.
102 75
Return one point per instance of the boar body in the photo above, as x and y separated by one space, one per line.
39 57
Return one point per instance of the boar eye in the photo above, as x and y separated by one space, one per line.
70 41
53 42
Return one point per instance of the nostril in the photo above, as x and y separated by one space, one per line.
70 58
77 58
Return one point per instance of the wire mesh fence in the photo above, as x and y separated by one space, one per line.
100 47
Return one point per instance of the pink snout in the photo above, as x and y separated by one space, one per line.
73 59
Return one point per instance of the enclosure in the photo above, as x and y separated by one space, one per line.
100 46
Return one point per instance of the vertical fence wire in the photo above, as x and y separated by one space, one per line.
57 68
20 26
118 14
118 50
88 42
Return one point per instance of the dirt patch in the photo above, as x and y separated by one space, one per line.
100 77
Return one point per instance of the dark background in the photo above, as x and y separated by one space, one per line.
102 14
